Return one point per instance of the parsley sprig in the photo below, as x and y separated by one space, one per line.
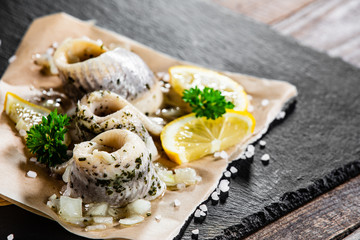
207 103
45 139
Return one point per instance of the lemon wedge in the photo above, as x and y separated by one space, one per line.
186 77
23 113
189 138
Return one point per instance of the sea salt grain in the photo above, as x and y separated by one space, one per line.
22 132
227 174
158 218
281 115
196 231
251 148
224 183
12 59
177 203
195 234
233 170
166 77
265 157
249 155
31 174
221 154
203 207
214 198
262 143
264 102
250 108
11 236
197 213
33 159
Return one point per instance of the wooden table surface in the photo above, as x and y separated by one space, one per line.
330 26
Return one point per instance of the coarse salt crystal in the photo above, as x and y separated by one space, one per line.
31 174
12 59
166 77
265 157
197 213
233 170
160 74
224 183
10 237
242 156
249 97
177 203
50 51
33 159
281 115
249 154
251 148
227 174
202 213
22 132
158 218
203 207
264 102
221 154
250 108
215 196
195 232
224 188
262 143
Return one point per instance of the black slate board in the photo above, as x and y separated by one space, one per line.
315 149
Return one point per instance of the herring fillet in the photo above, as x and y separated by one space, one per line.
114 167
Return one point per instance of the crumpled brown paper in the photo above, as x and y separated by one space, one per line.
22 76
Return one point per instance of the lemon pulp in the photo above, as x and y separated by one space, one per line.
189 138
23 113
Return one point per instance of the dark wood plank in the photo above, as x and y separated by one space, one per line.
327 25
266 11
331 216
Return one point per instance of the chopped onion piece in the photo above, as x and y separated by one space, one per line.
98 209
185 175
95 227
131 220
70 207
104 220
139 207
167 177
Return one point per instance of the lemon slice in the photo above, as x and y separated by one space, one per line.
23 113
186 77
189 138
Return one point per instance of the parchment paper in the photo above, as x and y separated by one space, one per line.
23 78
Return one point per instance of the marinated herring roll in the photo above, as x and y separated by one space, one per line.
100 111
85 65
114 167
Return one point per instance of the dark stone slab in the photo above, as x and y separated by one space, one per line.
315 149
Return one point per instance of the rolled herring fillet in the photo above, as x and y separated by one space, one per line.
100 111
114 167
85 65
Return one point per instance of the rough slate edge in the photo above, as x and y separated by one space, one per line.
250 66
287 202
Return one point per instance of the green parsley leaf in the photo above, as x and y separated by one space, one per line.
45 139
207 103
